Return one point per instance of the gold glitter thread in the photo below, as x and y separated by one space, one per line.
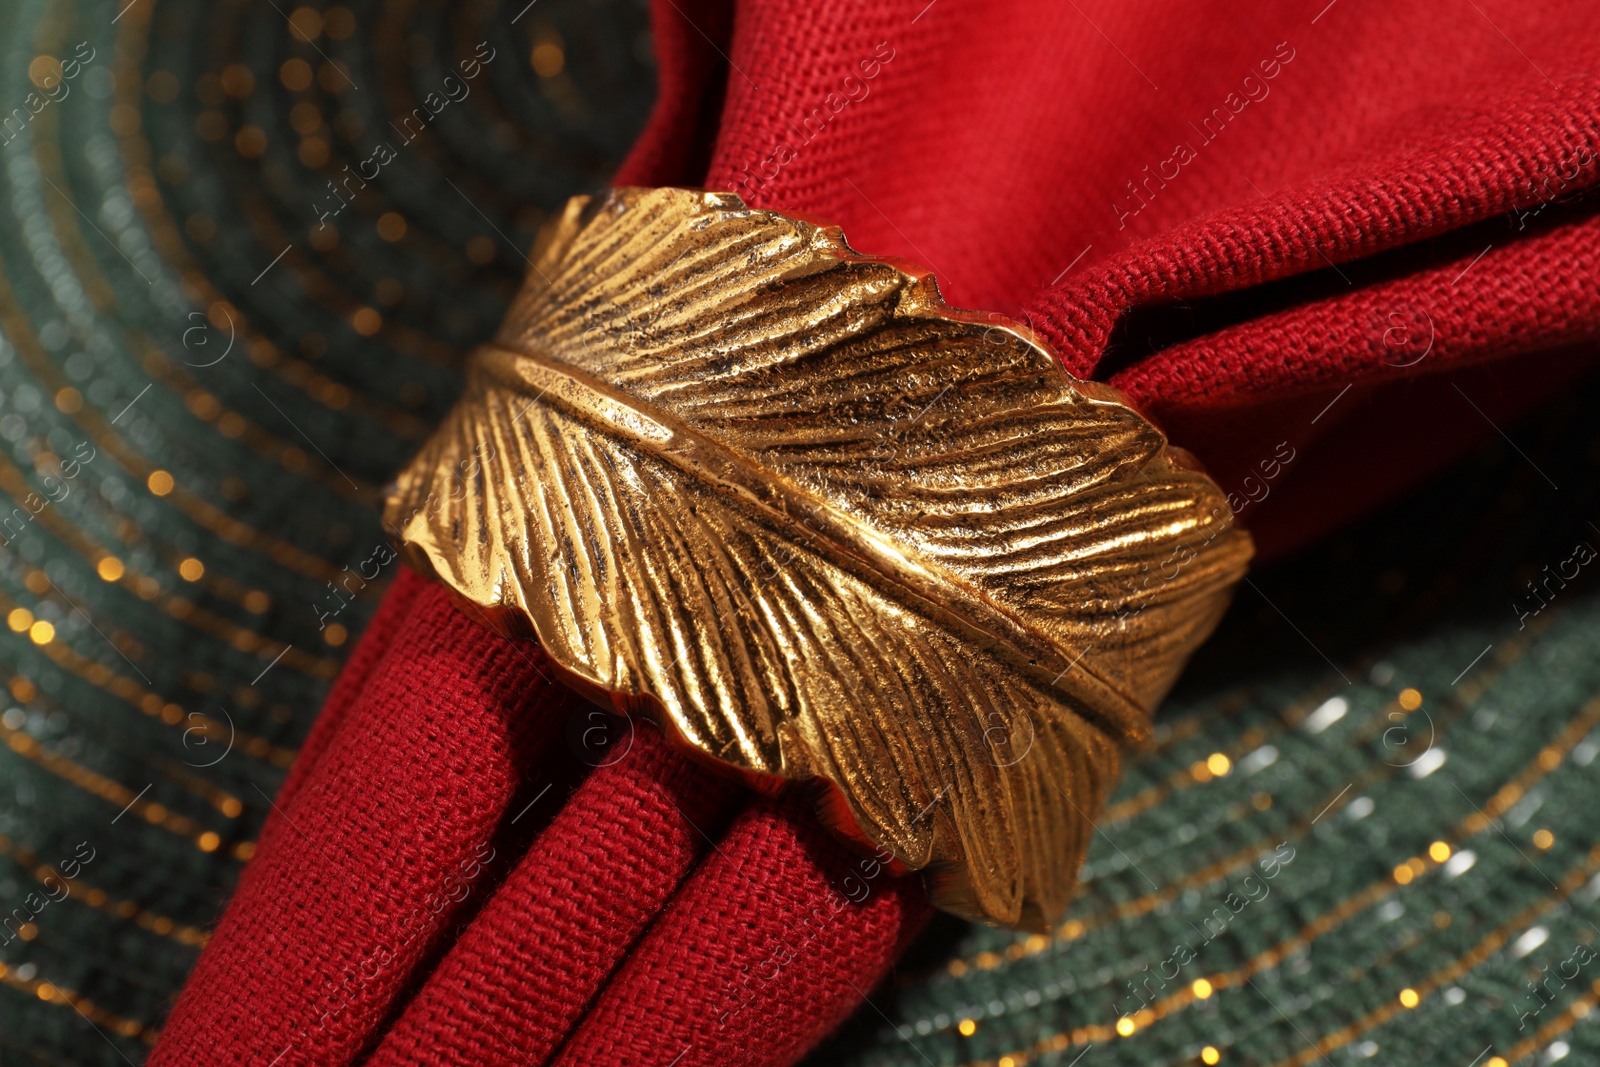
92 896
1503 799
1511 652
180 608
67 998
152 703
112 792
71 238
1569 883
145 193
100 433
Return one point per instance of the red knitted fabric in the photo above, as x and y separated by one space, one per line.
775 940
1351 235
300 973
383 847
392 613
1078 165
517 981
1415 352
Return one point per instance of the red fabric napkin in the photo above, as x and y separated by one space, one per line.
1327 247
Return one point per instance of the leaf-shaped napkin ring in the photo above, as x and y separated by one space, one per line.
824 528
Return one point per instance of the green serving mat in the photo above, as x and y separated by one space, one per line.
245 373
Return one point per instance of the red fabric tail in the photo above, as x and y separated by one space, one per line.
515 984
384 842
391 616
771 944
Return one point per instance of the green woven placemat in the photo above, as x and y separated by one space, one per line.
217 340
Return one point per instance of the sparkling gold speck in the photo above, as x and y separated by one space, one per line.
250 142
338 22
306 23
548 59
238 80
45 71
391 226
295 75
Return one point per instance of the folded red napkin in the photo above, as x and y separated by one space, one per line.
1327 247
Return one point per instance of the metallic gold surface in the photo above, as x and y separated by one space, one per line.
825 529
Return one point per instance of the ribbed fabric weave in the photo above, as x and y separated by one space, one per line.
387 840
773 942
516 982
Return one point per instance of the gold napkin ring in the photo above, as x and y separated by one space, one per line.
825 529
